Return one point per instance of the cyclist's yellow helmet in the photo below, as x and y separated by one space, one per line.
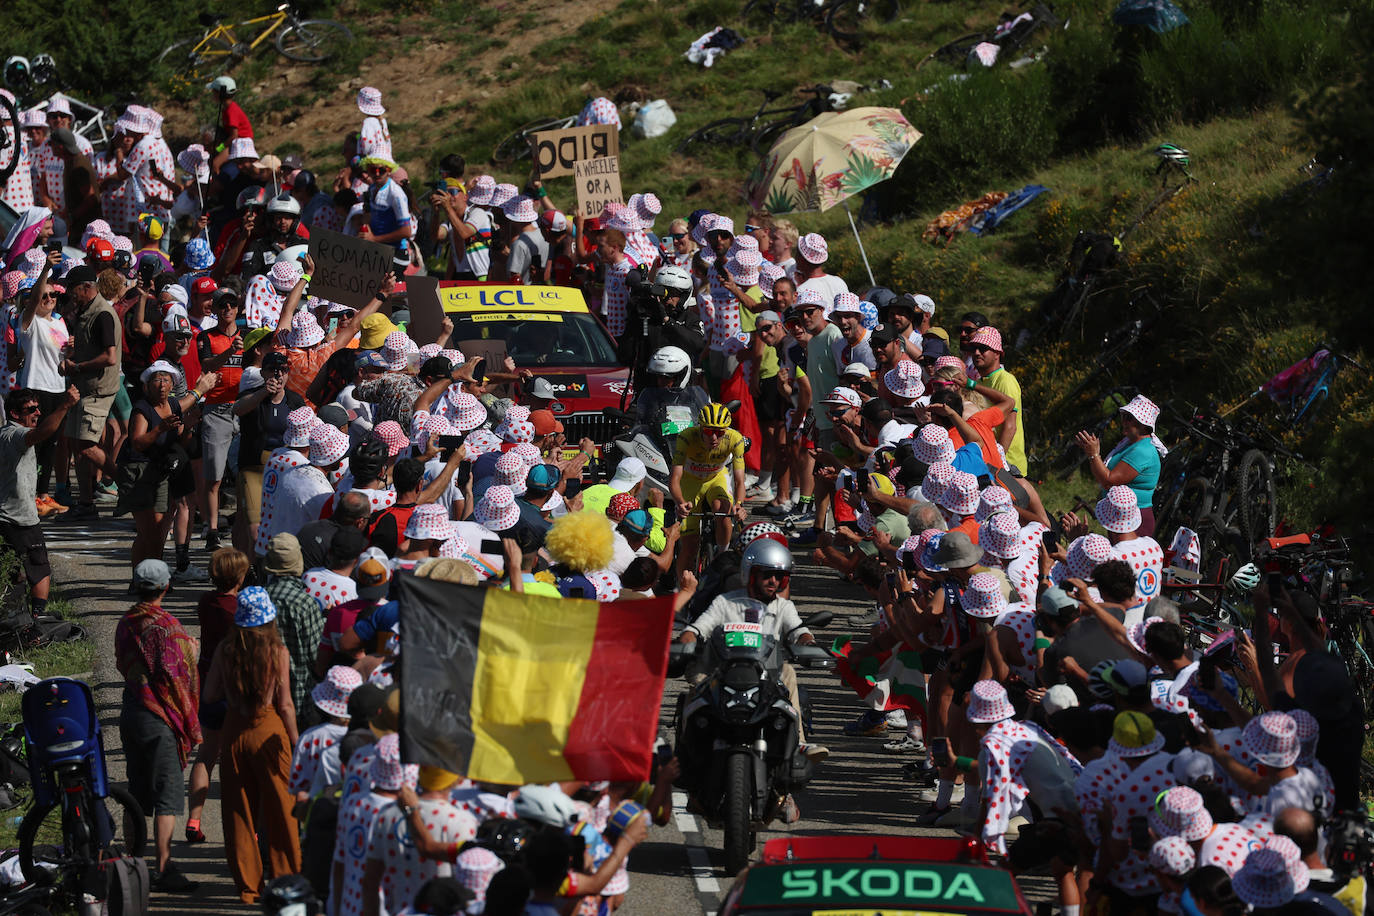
714 416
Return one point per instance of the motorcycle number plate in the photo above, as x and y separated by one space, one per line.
678 419
743 635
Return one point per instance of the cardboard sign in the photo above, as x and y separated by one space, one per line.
348 270
426 312
555 151
598 184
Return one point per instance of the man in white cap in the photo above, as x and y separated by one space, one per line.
232 122
528 261
628 478
812 253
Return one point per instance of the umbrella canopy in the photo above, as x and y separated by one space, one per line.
830 158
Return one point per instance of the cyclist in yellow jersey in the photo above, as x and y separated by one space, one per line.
700 477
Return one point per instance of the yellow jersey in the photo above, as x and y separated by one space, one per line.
703 461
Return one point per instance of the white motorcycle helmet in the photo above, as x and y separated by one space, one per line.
284 203
764 553
545 805
678 280
672 361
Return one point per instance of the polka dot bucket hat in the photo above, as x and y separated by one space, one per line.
496 509
960 496
988 703
429 522
937 478
932 445
1000 535
1271 739
1118 511
1179 813
1173 856
983 597
992 501
331 695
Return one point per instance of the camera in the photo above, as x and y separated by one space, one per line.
147 269
122 261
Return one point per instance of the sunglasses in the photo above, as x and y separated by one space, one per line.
677 236
807 310
968 328
764 327
981 348
774 574
749 228
28 409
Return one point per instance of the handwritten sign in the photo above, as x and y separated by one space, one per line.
555 151
598 184
347 270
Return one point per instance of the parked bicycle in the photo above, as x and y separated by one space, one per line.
518 143
1009 35
220 46
760 131
847 20
10 139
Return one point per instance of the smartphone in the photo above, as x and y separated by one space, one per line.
333 325
863 480
1140 833
479 369
1275 583
1207 673
909 563
54 245
669 513
463 474
892 580
1051 541
453 442
490 547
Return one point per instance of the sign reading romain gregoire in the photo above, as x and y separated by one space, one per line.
555 151
598 184
348 270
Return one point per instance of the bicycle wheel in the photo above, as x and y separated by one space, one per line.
859 20
196 60
313 40
516 145
42 827
725 132
1257 496
765 135
9 137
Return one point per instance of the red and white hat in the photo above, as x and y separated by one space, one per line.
496 509
395 350
1144 410
702 227
621 504
331 694
988 703
34 117
1086 553
502 193
911 545
937 478
239 147
370 102
983 598
865 521
1174 855
429 522
606 583
952 362
474 868
327 445
464 411
518 431
529 453
1000 535
846 303
648 206
744 266
723 224
454 357
510 471
1118 511
299 422
960 496
812 248
1266 880
992 500
429 351
768 272
622 218
904 381
1135 633
480 190
284 275
387 771
932 444
305 330
389 433
481 442
846 397
455 548
1271 739
1181 814
519 209
989 337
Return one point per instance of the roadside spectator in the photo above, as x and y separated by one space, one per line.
92 364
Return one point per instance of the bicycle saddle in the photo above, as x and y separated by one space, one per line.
209 19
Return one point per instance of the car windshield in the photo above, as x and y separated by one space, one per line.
540 338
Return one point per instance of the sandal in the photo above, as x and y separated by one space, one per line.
907 745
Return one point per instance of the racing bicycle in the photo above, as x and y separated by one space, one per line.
760 131
223 44
517 143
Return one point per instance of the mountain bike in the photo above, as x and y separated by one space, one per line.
760 131
201 58
516 145
10 140
847 20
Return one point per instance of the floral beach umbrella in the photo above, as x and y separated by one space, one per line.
829 159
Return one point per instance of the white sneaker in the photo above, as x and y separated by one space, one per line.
931 794
896 718
759 492
749 481
190 574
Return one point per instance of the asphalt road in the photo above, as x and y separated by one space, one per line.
678 869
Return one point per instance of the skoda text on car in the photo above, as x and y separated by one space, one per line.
883 875
550 331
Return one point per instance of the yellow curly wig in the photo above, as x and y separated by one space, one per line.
583 541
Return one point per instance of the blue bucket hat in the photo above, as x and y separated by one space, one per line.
868 315
198 254
254 609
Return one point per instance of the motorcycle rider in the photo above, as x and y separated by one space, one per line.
765 569
669 385
284 230
662 314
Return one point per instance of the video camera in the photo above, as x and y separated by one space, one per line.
647 299
1350 841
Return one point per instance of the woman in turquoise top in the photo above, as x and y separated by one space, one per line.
1134 462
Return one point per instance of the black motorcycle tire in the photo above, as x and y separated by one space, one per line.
737 813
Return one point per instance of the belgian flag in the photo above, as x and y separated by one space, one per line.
509 688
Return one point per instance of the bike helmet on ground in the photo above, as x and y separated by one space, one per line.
290 895
546 806
284 205
672 361
1170 153
18 73
252 197
714 416
764 553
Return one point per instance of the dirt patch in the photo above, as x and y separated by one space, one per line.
418 67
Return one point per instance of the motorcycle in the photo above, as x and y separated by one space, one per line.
737 731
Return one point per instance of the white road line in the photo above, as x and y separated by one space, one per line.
703 875
702 872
